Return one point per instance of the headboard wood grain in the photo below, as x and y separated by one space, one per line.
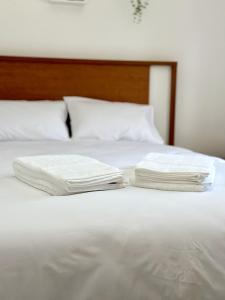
29 78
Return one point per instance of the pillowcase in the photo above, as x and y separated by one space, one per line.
33 120
111 121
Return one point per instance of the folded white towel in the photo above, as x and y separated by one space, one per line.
180 187
67 174
186 172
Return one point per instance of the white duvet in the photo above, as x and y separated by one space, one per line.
129 244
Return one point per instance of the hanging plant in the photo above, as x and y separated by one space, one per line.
139 6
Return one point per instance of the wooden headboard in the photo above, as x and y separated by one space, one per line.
28 78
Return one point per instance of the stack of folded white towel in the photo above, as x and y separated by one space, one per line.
175 172
67 174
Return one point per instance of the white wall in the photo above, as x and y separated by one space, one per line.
190 31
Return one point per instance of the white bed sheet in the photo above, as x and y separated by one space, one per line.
130 244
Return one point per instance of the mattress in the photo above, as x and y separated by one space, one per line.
134 243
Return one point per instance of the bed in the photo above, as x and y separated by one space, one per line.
123 244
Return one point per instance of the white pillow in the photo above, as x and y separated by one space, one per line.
111 121
33 120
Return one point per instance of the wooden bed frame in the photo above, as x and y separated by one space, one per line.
29 78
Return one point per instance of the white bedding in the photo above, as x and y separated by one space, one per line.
129 244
